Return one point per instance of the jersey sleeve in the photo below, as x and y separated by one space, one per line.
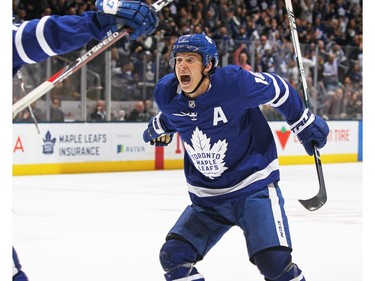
37 39
271 89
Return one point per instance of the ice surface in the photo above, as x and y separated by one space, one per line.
110 226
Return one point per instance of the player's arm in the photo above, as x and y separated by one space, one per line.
38 39
271 89
158 132
310 129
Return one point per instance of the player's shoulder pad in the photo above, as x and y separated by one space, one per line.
168 79
166 88
228 69
225 73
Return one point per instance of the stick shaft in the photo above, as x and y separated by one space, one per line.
320 198
297 49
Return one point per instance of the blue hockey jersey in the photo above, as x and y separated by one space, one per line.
37 39
229 147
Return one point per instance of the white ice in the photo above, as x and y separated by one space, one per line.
110 226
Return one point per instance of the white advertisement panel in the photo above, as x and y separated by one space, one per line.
342 139
101 143
79 142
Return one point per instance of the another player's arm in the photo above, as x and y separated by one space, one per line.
37 39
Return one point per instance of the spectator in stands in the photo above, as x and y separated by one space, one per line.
56 114
99 113
330 73
66 90
225 42
293 73
268 61
210 22
19 15
164 67
355 106
138 113
147 74
124 81
25 116
309 60
342 60
355 73
336 110
325 23
307 8
150 107
243 36
121 116
240 57
38 112
264 45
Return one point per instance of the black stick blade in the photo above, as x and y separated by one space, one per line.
320 199
314 203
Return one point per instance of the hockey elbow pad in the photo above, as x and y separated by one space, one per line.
311 131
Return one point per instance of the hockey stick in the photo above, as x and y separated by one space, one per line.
23 91
68 70
320 198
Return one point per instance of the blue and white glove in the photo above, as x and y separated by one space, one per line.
155 133
134 14
311 131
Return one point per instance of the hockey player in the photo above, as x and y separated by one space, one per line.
38 39
231 162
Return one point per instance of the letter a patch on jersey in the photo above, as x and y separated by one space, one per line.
219 116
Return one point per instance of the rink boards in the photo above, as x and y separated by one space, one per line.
113 147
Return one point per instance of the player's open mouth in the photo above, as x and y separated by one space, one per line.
185 79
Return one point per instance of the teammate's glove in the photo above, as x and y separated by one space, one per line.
311 130
163 140
134 14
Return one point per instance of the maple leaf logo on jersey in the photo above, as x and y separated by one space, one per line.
208 160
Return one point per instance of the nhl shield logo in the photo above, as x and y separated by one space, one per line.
191 104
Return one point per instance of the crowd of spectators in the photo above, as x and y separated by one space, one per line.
252 33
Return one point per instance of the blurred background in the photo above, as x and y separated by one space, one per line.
253 34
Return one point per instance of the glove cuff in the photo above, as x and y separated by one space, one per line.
154 129
157 125
107 6
304 121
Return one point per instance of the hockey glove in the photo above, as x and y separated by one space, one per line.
134 14
156 133
163 140
311 131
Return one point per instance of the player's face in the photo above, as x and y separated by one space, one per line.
188 67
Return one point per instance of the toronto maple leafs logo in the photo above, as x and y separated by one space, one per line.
49 143
208 160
